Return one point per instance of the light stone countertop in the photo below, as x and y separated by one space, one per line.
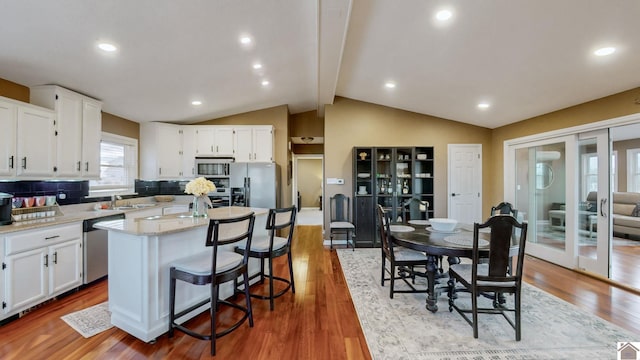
159 225
85 211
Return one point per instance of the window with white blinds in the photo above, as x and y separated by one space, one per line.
118 165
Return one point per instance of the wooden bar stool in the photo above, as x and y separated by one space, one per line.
213 268
271 247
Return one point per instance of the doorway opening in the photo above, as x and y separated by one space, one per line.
308 188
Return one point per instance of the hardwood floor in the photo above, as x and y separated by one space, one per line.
317 322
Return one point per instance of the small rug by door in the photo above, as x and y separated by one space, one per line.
90 321
402 328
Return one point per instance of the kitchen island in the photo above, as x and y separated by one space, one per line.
140 253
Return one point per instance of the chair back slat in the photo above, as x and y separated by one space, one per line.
228 231
340 208
414 208
384 228
503 238
504 208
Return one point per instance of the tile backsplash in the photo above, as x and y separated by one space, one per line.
67 192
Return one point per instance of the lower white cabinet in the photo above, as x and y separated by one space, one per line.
40 264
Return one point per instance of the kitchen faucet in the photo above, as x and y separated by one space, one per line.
113 200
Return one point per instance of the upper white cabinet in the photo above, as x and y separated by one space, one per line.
35 142
26 140
78 127
189 151
8 135
91 134
213 140
253 143
161 151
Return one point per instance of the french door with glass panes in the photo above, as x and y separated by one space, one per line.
557 188
594 245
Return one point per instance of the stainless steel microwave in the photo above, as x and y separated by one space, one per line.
213 166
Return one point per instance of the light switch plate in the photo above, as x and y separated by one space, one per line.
335 181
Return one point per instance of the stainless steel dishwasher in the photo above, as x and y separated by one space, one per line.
95 248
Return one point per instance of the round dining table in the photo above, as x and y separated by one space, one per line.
435 244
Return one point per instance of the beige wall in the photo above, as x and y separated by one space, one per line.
310 181
597 110
350 123
278 117
14 91
120 126
306 124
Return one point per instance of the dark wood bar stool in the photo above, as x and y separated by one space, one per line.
271 247
216 267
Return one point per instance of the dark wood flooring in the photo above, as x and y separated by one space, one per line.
317 322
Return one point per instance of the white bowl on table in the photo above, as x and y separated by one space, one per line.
443 224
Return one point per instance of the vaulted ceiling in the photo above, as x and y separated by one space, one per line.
522 58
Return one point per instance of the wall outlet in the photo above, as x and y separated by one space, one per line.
335 181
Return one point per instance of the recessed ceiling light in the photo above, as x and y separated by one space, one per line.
107 47
257 66
484 105
390 85
605 51
265 82
196 102
245 40
444 15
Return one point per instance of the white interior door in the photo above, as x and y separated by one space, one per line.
465 182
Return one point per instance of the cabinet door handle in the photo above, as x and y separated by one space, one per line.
52 237
86 167
216 148
159 171
211 148
55 257
11 162
24 162
78 165
46 260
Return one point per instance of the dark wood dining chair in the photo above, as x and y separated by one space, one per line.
415 209
213 268
492 276
402 261
340 219
270 247
504 208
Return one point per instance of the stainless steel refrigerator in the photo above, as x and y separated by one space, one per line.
255 184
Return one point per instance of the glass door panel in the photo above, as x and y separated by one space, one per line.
593 208
541 197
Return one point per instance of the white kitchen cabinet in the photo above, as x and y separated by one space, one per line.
40 264
253 143
35 145
91 135
65 266
26 279
213 140
8 135
223 141
189 151
26 140
160 151
78 127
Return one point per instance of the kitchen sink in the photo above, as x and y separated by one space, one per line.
134 206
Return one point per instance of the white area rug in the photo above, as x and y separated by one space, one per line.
90 321
402 328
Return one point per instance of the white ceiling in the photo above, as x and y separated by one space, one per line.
526 57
